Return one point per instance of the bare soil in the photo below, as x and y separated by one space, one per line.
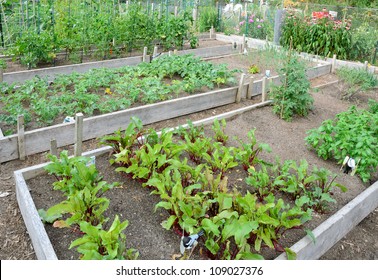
135 204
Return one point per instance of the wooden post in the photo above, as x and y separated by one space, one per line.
366 65
1 74
195 12
250 88
154 54
21 137
1 133
333 66
78 134
144 54
53 147
175 52
169 53
263 89
211 32
176 11
243 44
240 89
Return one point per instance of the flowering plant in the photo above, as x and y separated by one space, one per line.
253 27
320 34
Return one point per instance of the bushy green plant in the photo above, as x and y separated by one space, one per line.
323 36
292 97
364 39
356 80
236 225
100 244
33 48
208 17
351 133
254 26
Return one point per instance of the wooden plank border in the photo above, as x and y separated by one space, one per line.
337 226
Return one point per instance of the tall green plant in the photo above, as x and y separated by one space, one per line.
292 98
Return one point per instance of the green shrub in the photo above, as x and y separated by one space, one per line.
353 133
292 97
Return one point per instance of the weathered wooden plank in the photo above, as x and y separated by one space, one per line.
210 52
240 88
337 226
40 240
21 137
53 147
318 71
78 134
263 90
52 72
96 126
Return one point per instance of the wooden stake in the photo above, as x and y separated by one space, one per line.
1 74
250 89
176 11
1 133
243 44
333 66
144 54
21 137
78 134
211 32
53 147
154 54
240 89
263 89
366 65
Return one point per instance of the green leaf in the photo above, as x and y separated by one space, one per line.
311 235
251 256
225 201
291 255
167 224
209 226
266 219
212 246
164 204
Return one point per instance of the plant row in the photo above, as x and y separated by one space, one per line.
189 172
83 209
107 90
99 28
352 133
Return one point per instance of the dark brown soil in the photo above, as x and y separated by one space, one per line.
145 232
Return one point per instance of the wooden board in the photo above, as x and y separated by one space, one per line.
52 72
337 226
41 242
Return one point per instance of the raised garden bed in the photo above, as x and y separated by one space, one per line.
39 140
286 140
